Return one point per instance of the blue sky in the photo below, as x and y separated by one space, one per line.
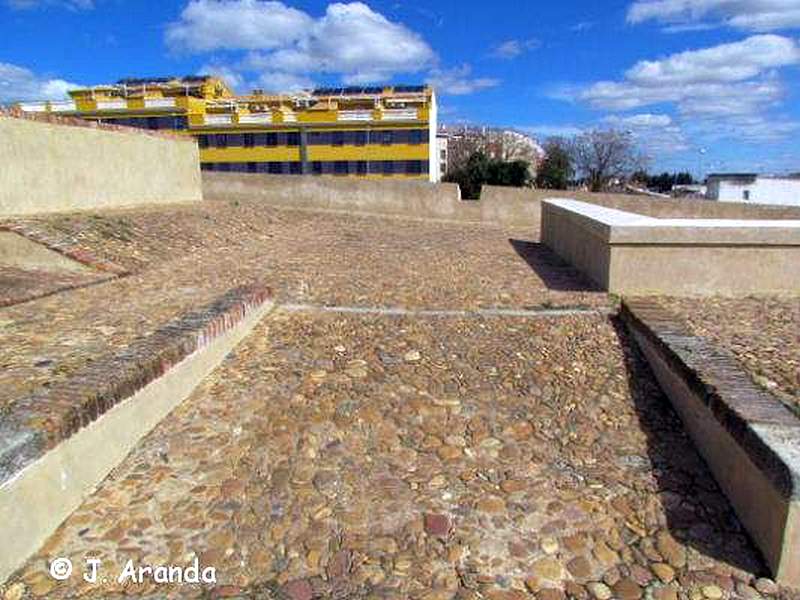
709 84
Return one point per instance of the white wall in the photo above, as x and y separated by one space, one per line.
762 191
433 147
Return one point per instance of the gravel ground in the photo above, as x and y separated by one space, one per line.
354 456
763 333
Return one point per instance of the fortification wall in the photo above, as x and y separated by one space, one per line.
419 199
57 167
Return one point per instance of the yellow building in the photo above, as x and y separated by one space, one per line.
358 131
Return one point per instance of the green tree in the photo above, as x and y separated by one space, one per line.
555 171
481 170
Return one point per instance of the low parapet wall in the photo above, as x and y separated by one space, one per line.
628 253
56 167
507 206
750 441
418 199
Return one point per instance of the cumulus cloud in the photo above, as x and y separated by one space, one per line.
750 15
349 39
511 49
657 133
725 78
458 81
19 84
207 25
727 62
731 89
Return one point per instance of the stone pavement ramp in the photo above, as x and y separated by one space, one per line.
338 455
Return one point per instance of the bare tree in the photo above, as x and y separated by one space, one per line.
601 156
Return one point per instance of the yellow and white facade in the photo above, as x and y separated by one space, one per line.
355 131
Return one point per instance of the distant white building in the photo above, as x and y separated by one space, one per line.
441 156
752 188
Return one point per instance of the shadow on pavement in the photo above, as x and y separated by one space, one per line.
697 512
552 270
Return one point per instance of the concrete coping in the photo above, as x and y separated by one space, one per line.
763 427
622 227
40 421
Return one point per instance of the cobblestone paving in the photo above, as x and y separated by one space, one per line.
763 333
367 456
185 256
19 285
356 456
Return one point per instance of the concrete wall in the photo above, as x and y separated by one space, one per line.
50 167
632 254
511 207
652 207
411 198
746 436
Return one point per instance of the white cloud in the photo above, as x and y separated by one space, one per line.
282 83
18 84
207 25
730 91
750 15
545 130
513 48
232 77
643 120
458 81
350 39
657 134
738 77
727 62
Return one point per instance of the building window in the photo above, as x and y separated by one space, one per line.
271 139
361 167
202 141
340 167
337 138
275 168
295 168
249 140
222 140
359 138
414 167
252 167
387 167
416 136
293 138
746 195
316 167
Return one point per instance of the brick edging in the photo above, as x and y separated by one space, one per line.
717 378
84 257
40 421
